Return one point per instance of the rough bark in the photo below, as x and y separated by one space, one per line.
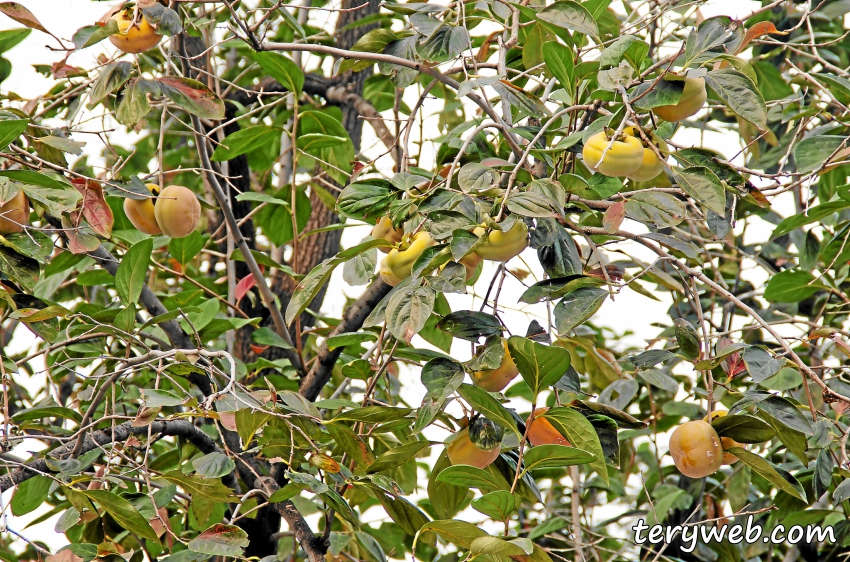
319 247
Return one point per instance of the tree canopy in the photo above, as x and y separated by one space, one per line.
175 241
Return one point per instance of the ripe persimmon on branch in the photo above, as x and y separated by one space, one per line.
369 281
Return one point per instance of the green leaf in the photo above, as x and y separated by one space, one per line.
372 42
10 130
407 311
201 488
580 433
459 533
540 365
687 338
703 185
47 411
484 403
779 477
372 414
221 540
110 78
21 269
555 456
213 465
245 140
185 249
791 286
498 505
30 494
397 456
123 512
743 428
471 477
93 34
134 104
406 515
282 69
812 152
132 271
658 209
496 547
813 214
740 94
570 15
578 306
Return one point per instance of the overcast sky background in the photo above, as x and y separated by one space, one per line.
628 312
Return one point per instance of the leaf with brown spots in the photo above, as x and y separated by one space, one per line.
22 15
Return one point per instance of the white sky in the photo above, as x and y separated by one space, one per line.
628 312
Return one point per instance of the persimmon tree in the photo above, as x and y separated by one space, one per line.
513 167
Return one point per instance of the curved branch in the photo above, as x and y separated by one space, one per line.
352 320
122 432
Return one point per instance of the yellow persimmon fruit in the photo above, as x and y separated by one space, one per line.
692 100
540 432
14 214
177 211
384 229
141 212
651 165
133 37
495 380
696 450
502 246
399 261
461 450
624 157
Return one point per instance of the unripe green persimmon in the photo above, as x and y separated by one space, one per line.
692 100
502 246
624 157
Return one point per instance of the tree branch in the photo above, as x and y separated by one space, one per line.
122 432
352 320
314 546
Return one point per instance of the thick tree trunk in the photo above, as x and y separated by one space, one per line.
318 247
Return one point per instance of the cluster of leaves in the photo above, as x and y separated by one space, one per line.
169 439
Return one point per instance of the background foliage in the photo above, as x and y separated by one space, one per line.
197 397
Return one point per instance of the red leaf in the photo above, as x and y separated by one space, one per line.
258 349
614 216
245 284
95 209
757 30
